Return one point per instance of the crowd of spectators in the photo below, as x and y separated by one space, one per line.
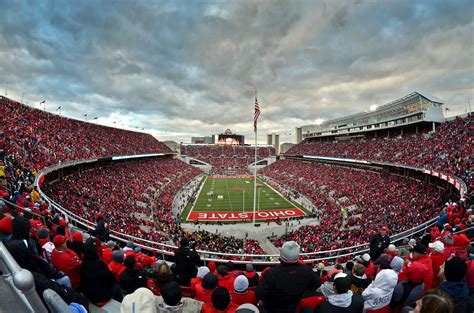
227 159
350 198
448 149
36 139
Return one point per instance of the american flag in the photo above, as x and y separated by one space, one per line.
256 115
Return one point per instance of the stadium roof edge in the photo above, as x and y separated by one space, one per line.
383 106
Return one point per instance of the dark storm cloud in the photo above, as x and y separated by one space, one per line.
178 68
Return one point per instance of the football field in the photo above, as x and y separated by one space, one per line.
231 199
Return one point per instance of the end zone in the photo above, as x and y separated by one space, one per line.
245 216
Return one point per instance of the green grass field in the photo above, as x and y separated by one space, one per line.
237 196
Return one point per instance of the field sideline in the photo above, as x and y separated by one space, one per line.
228 196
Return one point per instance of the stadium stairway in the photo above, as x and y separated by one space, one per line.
268 246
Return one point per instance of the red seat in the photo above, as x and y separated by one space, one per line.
385 309
188 292
310 302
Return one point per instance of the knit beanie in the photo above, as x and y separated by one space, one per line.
455 269
416 272
210 281
171 293
220 298
290 252
397 264
202 271
241 283
117 256
142 300
247 308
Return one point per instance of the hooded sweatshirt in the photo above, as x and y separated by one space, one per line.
341 303
379 293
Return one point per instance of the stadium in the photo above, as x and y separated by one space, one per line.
101 218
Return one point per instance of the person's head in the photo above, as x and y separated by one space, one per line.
436 247
397 264
222 270
358 269
290 252
349 266
383 230
416 272
342 283
43 233
212 266
129 262
111 244
249 268
60 242
171 293
162 268
241 284
364 259
21 228
89 250
202 271
230 266
434 301
418 250
117 256
220 298
210 281
455 269
184 242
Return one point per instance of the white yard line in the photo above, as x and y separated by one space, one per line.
195 200
228 195
278 193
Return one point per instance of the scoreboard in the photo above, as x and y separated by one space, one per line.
230 139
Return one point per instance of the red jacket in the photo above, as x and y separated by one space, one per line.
426 261
241 298
227 282
209 308
116 269
69 263
6 225
144 260
107 255
370 270
203 295
437 259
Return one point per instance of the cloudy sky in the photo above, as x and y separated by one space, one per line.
183 68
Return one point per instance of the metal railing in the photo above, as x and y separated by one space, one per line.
20 281
258 259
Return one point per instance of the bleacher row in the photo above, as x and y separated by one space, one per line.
227 159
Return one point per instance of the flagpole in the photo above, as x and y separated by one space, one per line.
255 171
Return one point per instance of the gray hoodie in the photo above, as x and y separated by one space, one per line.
342 300
379 293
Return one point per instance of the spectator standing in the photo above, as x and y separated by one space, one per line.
282 286
186 260
379 242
